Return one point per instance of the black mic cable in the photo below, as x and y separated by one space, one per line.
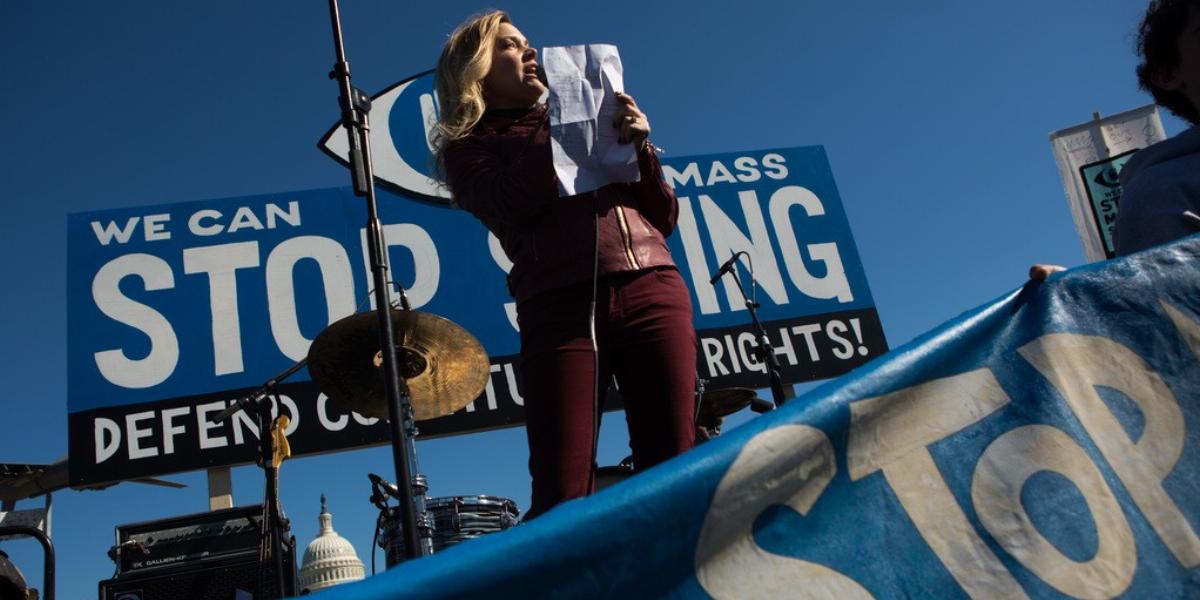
592 331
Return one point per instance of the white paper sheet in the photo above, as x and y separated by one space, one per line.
583 82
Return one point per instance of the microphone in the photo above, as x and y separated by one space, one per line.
725 268
388 487
242 403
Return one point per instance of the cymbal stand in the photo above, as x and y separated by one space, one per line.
355 105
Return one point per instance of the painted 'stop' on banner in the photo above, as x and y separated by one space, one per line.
1043 445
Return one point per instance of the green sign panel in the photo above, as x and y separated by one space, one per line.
1101 180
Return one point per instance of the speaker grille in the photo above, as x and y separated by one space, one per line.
208 580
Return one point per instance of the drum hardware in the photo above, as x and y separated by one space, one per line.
355 106
383 490
725 401
443 365
715 405
452 521
763 349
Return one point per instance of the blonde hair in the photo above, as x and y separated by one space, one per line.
465 61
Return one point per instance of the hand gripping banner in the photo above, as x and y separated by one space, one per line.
1043 445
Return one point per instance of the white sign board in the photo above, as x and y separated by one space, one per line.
1089 158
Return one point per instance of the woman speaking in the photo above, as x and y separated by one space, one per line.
596 289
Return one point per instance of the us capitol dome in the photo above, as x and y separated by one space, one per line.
330 559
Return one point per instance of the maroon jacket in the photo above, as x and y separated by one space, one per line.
502 172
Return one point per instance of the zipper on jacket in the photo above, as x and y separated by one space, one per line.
627 239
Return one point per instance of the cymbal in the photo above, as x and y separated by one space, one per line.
444 366
719 403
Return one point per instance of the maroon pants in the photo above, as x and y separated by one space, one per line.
645 336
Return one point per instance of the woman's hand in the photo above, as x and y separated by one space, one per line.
630 121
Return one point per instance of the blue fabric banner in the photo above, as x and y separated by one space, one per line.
1043 445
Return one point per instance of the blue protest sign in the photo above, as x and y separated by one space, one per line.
177 310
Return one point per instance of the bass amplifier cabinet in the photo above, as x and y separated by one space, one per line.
203 579
225 533
211 555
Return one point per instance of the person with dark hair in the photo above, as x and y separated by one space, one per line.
596 288
1160 198
1160 185
1163 48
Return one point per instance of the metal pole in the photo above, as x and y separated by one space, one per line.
354 106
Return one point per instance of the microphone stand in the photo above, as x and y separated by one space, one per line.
273 545
257 399
765 352
355 105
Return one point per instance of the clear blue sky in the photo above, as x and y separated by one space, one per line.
934 114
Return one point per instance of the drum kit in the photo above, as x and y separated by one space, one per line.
454 519
445 368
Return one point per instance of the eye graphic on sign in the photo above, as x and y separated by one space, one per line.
402 119
1108 177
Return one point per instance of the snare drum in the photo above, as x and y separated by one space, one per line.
453 519
460 518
